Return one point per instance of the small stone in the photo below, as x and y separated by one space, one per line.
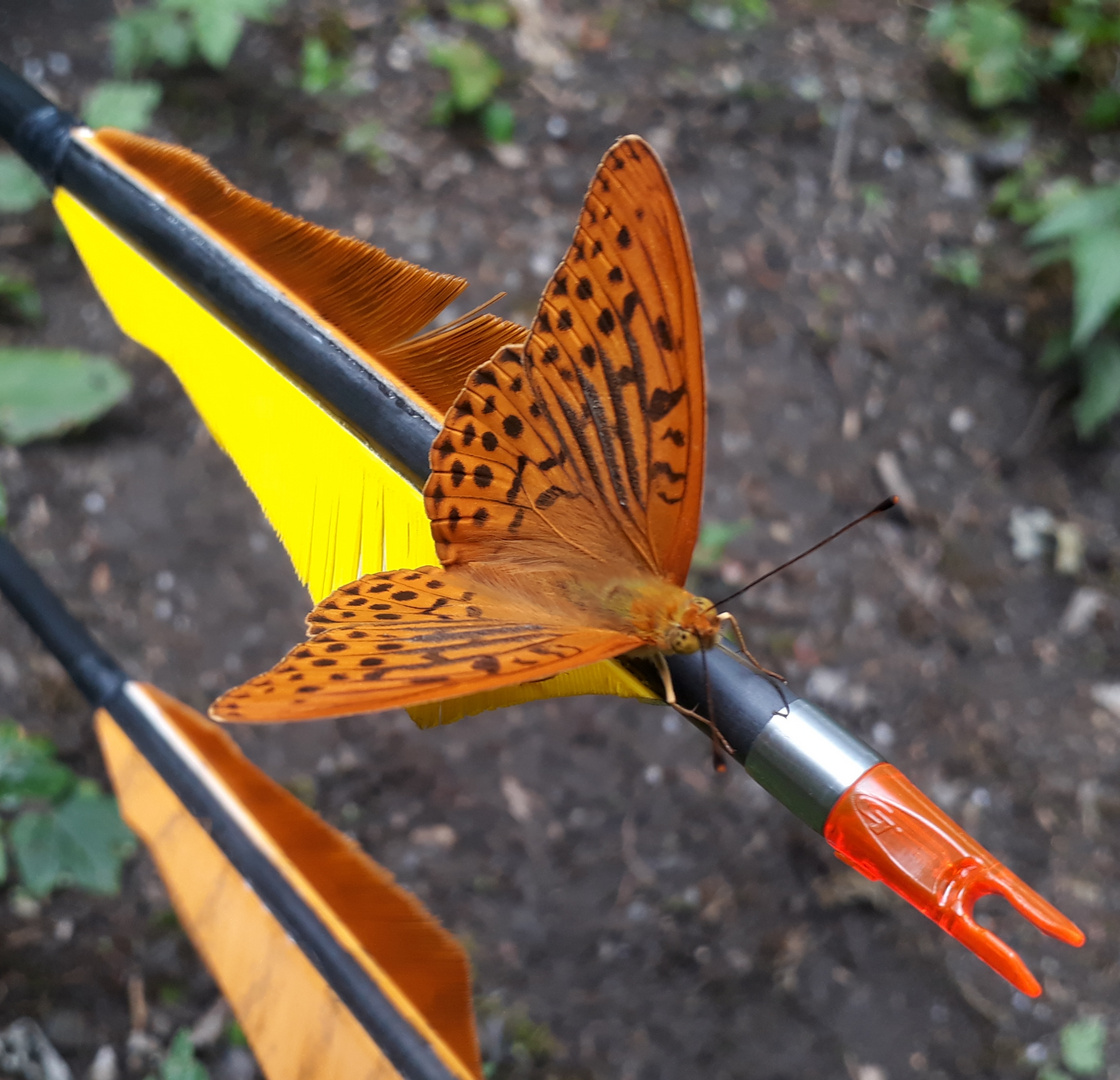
94 503
510 155
882 735
104 1065
1083 607
1030 527
23 905
1107 696
441 837
1069 548
893 158
518 798
557 126
884 265
1003 155
961 420
960 178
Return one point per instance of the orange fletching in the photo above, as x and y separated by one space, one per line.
295 1023
374 301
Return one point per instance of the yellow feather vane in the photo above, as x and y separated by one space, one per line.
340 507
296 1022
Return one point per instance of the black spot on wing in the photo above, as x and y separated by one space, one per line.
662 402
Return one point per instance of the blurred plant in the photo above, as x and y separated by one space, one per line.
121 104
491 14
174 32
46 392
1081 1046
713 540
180 1062
367 139
1084 230
475 76
512 1042
19 299
736 15
960 266
321 69
60 830
20 188
1029 193
1004 55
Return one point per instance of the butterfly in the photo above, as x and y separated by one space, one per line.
564 495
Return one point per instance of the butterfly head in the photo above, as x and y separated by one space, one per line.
696 627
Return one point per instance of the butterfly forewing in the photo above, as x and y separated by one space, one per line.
411 636
588 444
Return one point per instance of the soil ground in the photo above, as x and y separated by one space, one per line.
655 920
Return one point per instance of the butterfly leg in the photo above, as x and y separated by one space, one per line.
718 741
728 619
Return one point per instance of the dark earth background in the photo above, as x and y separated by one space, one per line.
651 919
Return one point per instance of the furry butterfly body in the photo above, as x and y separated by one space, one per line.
564 494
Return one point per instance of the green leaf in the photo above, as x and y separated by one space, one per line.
3 506
20 188
82 843
475 74
1055 352
988 43
1104 110
28 769
491 15
713 540
3 860
20 298
366 139
498 121
49 391
1082 1044
1086 212
140 38
217 30
180 1063
1099 399
1095 257
320 70
127 105
961 267
1052 1072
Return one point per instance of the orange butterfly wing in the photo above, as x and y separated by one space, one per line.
412 636
585 448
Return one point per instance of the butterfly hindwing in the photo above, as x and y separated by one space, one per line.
589 441
411 636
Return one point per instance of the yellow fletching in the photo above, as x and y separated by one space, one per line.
602 677
339 510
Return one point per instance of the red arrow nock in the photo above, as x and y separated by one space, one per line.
885 828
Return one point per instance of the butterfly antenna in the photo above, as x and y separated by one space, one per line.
885 505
